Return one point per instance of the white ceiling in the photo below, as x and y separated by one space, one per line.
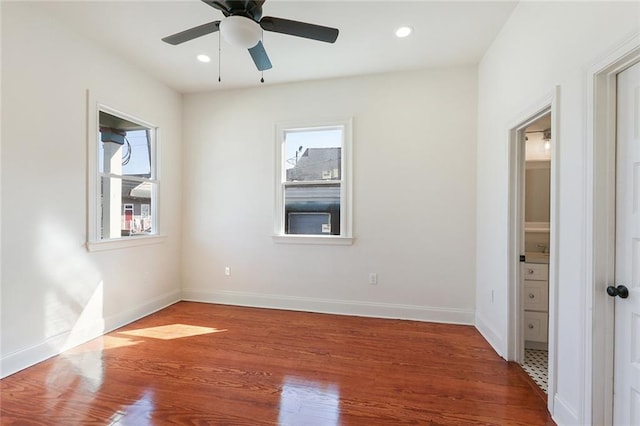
446 33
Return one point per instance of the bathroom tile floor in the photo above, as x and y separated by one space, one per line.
536 366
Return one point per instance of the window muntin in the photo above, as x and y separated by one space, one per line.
313 192
128 185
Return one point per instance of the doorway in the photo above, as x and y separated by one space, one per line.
533 240
536 238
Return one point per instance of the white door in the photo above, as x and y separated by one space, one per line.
627 270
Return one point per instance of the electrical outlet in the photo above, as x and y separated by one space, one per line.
373 278
227 271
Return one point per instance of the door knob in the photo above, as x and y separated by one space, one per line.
621 291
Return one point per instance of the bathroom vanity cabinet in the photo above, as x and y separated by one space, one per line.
536 304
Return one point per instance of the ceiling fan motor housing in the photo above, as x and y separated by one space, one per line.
249 8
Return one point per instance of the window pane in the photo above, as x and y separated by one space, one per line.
313 154
137 154
126 207
312 209
124 147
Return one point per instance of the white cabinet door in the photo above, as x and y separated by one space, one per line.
536 296
536 272
627 269
536 326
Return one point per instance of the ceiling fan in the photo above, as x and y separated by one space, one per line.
243 24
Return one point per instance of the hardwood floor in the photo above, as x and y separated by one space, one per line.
204 364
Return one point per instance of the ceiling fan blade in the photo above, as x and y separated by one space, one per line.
192 33
299 29
259 56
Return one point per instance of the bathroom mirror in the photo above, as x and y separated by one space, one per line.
537 195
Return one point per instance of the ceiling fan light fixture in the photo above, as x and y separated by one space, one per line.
240 31
404 31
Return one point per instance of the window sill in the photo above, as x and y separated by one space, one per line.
314 239
125 242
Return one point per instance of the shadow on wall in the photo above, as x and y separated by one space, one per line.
74 299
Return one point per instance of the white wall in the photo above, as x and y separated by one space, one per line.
55 293
543 44
414 197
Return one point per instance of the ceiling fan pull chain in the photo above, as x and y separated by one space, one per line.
262 71
219 57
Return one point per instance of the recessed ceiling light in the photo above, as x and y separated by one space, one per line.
204 58
403 32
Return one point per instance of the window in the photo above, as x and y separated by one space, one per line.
124 194
313 187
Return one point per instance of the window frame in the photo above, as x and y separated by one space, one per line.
346 188
94 176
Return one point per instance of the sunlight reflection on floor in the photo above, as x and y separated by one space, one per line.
172 331
103 343
139 413
309 403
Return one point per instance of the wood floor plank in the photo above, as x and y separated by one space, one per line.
206 364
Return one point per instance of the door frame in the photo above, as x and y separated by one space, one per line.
548 104
600 174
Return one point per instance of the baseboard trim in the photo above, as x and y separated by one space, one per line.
127 317
332 306
491 336
541 346
55 345
563 414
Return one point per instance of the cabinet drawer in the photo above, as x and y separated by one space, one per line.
536 271
535 326
536 295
